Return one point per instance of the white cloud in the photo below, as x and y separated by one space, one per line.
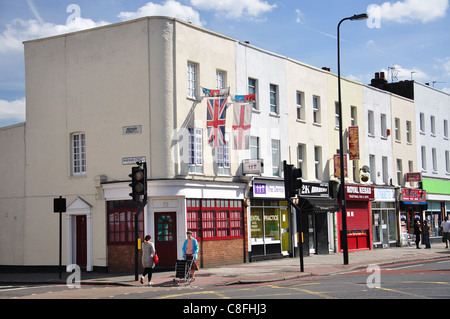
20 30
235 8
299 18
410 10
170 8
12 110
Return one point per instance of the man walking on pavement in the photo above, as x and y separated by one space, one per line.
445 231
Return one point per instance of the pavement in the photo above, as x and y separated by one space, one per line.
250 273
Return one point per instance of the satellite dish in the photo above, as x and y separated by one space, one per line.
365 169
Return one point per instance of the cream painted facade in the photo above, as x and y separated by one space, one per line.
352 98
98 82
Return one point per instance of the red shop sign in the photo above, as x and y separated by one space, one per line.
414 195
358 192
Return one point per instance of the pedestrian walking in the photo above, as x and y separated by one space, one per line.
417 232
426 234
148 250
445 231
190 252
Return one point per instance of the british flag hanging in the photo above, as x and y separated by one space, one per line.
215 121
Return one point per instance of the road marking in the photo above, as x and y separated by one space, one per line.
402 292
211 292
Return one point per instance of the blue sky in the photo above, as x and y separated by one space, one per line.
411 35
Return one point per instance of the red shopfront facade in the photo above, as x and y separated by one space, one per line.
359 234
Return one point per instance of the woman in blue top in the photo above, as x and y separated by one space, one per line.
190 252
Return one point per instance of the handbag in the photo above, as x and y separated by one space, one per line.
155 258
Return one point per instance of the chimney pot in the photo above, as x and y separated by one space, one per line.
377 75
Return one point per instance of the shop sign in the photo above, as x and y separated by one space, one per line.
414 195
414 177
314 189
268 189
358 192
252 166
384 194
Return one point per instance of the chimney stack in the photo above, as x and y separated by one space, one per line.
379 81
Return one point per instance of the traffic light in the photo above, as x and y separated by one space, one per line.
292 180
138 184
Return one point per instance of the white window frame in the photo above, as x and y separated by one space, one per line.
398 136
423 155
318 162
316 110
446 129
195 150
276 158
371 123
254 147
78 154
408 132
383 126
301 159
273 90
253 89
223 157
221 79
433 125
192 75
422 123
300 100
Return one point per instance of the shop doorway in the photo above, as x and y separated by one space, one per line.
166 238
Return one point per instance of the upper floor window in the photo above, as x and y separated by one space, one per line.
192 74
371 124
220 79
253 89
422 122
300 105
78 142
408 132
316 109
195 150
274 98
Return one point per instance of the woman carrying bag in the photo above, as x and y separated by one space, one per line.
148 251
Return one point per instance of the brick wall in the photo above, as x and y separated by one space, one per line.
121 259
215 253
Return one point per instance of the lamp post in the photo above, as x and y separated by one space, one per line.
344 242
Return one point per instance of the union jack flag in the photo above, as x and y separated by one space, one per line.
215 121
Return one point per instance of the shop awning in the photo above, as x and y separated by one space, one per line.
318 204
418 205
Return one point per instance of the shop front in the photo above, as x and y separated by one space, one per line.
438 204
358 198
384 218
412 205
318 212
269 221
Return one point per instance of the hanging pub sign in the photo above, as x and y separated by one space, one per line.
337 165
353 142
